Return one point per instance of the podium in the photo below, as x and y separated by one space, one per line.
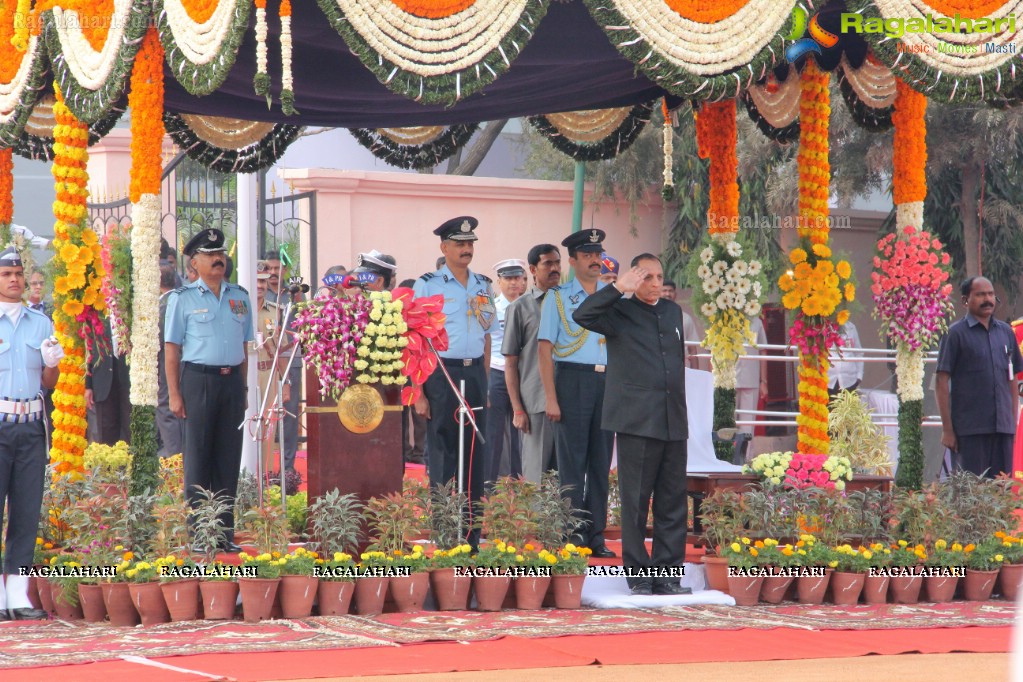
367 464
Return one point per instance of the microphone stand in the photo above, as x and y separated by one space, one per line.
464 412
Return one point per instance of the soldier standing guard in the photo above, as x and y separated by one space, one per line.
29 356
469 307
208 324
573 361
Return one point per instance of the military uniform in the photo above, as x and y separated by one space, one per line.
212 333
470 313
499 416
582 447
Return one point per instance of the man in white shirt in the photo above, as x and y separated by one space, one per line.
751 378
843 374
511 280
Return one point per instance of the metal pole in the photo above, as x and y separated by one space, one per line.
462 411
577 202
246 266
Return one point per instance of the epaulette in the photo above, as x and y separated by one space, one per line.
426 277
178 290
484 278
231 285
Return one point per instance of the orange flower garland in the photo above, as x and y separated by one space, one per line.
146 103
716 138
909 155
6 186
433 9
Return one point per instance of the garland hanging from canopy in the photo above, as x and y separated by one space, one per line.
36 141
694 48
92 54
201 39
945 64
774 106
230 145
417 147
435 51
23 76
869 93
593 135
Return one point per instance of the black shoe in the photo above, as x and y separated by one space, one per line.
577 540
602 552
672 589
230 548
642 589
28 614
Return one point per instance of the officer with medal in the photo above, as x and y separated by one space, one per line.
208 324
470 311
572 365
374 271
29 355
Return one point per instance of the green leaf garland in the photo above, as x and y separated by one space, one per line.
910 474
608 148
10 132
415 156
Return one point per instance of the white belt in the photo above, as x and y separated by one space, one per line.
21 407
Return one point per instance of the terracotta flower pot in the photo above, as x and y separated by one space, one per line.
219 599
450 591
875 589
334 597
148 600
370 593
940 589
258 596
716 569
94 610
409 591
182 598
745 589
120 608
568 591
811 588
978 585
490 591
297 593
65 611
774 587
905 589
33 590
1009 580
42 590
530 591
846 587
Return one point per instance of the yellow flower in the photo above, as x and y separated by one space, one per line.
999 558
822 251
940 544
736 547
842 317
797 256
843 269
850 292
72 308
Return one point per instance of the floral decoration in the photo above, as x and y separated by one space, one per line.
417 147
261 81
37 145
819 291
800 470
331 329
774 106
287 77
201 39
909 149
117 289
435 52
716 137
6 190
23 71
869 92
380 348
667 149
424 317
256 153
593 135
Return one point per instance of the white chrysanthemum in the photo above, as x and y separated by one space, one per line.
722 301
720 267
757 289
730 288
740 301
706 255
710 286
703 272
733 276
743 286
754 268
741 267
734 249
708 310
752 308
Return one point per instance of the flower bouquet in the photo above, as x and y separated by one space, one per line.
117 287
801 471
330 329
380 348
424 319
819 292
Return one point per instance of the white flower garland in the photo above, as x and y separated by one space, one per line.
145 333
200 43
433 47
12 93
287 79
909 370
261 33
91 69
706 49
667 135
781 107
908 214
874 84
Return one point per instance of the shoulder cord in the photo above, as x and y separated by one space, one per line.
580 335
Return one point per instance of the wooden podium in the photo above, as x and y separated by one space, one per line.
368 464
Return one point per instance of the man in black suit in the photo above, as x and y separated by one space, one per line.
106 392
645 404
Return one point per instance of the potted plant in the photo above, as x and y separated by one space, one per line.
449 575
850 574
219 591
875 585
855 436
143 586
208 532
337 584
63 581
111 465
983 562
1011 575
179 582
116 596
554 517
335 523
38 587
724 518
780 560
533 576
258 583
744 575
269 526
411 581
818 557
944 561
906 579
509 512
569 576
375 568
298 584
491 578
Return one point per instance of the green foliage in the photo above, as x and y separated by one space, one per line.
145 469
555 521
910 474
336 522
297 508
509 512
395 519
724 418
207 532
119 243
449 518
854 435
269 526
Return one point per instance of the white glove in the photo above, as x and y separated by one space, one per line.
52 352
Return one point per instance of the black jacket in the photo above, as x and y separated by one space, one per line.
645 392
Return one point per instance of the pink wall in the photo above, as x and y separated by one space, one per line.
397 212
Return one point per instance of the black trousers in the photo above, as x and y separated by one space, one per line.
442 430
649 466
499 422
214 407
113 415
987 454
583 449
23 461
416 447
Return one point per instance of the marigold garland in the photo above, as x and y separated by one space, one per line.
6 187
716 138
909 153
812 159
78 276
146 103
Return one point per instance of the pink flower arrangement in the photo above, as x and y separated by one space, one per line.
330 328
116 289
814 338
911 288
425 319
817 471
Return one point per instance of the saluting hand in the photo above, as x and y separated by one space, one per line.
628 282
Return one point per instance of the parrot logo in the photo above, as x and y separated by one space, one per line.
818 40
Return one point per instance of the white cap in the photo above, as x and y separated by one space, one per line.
511 267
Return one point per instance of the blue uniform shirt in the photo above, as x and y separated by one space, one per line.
21 362
210 330
470 310
564 333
